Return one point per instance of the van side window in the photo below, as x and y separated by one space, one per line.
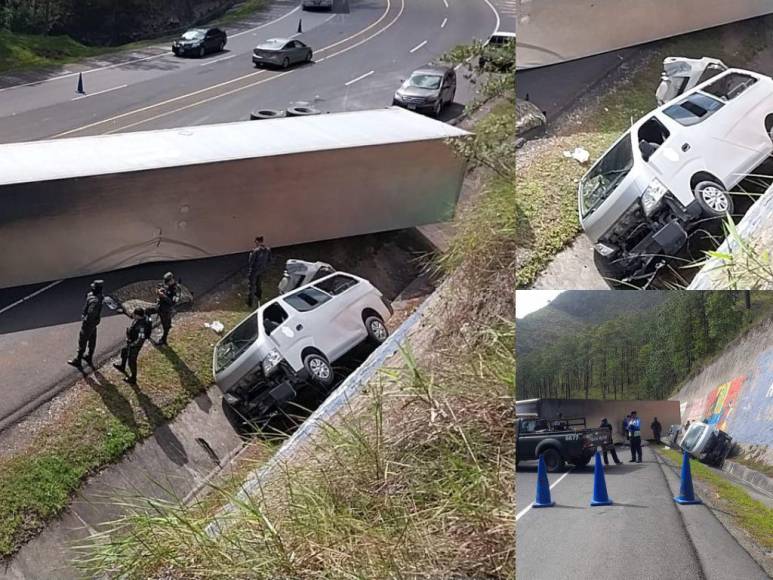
273 317
307 299
336 285
729 86
652 135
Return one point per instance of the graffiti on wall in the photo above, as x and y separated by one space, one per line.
721 402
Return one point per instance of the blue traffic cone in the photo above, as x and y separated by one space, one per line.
686 493
600 496
300 26
80 84
543 486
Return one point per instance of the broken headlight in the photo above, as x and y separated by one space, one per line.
605 250
653 196
271 361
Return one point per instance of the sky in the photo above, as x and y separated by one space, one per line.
527 301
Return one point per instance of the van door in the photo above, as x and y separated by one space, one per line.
279 325
344 313
312 310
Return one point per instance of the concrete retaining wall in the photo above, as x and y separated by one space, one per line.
735 392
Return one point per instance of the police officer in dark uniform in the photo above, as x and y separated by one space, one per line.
168 296
260 257
606 425
136 334
90 318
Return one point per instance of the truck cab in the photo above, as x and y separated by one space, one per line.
558 441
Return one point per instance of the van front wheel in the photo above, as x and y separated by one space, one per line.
318 369
714 200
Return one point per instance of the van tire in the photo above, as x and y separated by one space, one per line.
318 370
713 198
377 330
553 460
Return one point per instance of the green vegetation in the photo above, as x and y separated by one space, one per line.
106 418
242 11
22 51
753 516
641 355
547 181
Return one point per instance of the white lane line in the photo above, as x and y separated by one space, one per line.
446 3
144 58
218 59
87 95
418 46
23 300
528 507
445 20
359 78
494 10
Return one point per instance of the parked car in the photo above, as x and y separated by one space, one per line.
292 341
281 52
200 41
495 50
428 89
317 4
674 170
706 443
558 441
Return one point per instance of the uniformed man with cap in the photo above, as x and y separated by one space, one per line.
90 318
258 262
634 428
168 297
136 334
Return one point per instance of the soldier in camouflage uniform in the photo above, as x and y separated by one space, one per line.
90 319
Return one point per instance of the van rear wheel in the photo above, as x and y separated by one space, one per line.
319 370
377 330
714 200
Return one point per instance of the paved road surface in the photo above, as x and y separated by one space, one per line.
643 535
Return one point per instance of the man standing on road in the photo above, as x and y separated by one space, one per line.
634 429
136 334
657 428
259 259
606 425
168 296
90 318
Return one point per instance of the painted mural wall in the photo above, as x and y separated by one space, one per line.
735 391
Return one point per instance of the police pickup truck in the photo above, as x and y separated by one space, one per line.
558 441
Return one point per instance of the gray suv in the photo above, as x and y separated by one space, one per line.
428 89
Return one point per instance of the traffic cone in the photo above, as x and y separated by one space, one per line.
686 493
300 26
80 85
600 496
543 486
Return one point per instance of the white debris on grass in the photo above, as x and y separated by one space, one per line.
216 326
579 154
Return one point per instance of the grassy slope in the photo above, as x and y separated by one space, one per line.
751 515
416 479
547 187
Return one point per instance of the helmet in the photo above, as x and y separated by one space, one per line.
97 285
168 277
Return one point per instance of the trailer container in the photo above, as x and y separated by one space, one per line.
72 207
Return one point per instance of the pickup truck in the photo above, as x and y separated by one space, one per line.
558 441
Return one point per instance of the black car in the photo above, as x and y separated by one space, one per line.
200 41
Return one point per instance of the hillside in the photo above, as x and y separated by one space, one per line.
573 311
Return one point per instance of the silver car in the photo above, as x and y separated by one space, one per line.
306 4
281 52
428 89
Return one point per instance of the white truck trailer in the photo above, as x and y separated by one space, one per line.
74 207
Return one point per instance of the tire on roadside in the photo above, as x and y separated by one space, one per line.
301 111
713 198
553 460
259 114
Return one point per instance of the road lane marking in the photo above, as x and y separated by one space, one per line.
418 46
219 59
87 95
243 77
141 59
359 78
197 103
528 507
494 10
35 293
445 20
446 3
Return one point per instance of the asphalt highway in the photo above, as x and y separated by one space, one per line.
644 534
362 50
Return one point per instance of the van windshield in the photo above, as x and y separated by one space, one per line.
693 436
601 180
236 342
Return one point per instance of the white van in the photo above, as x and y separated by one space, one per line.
294 339
674 169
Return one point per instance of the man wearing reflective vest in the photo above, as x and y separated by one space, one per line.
634 429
